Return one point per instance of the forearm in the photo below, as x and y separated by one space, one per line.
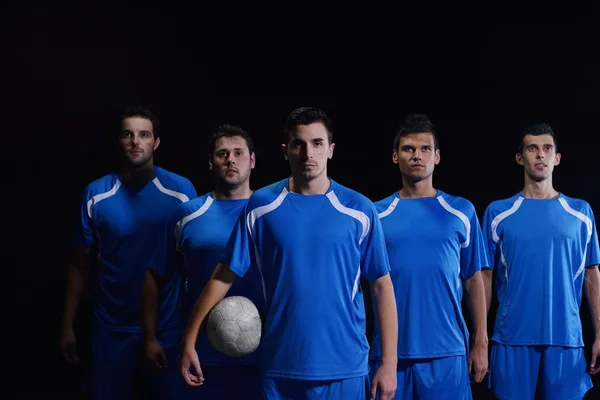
487 276
385 301
149 306
592 293
477 305
214 291
76 281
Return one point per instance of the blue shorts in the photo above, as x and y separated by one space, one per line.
115 371
518 372
118 371
295 389
431 378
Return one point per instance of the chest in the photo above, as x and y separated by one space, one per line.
128 214
421 225
210 231
312 227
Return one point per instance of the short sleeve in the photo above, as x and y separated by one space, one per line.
240 246
84 236
473 256
190 190
374 259
488 238
592 253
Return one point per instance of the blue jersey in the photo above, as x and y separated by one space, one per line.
311 251
540 249
197 235
122 224
433 244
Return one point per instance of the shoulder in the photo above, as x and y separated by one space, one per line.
350 198
107 184
267 195
497 207
575 204
456 203
199 204
172 184
386 204
171 180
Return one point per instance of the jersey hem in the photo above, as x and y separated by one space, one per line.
424 355
319 377
509 343
104 328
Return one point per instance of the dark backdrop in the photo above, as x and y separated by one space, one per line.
67 70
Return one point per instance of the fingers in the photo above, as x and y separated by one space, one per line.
69 353
199 374
387 394
163 362
374 389
594 367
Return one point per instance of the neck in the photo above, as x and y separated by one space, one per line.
539 190
418 189
318 185
242 191
137 174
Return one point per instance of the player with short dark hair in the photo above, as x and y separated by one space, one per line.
121 215
196 235
544 248
436 252
311 240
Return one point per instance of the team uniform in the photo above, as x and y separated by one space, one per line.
433 244
310 252
121 224
197 235
540 249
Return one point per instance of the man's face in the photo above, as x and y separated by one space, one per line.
539 157
416 156
231 161
308 150
137 140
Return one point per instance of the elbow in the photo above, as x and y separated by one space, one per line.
383 285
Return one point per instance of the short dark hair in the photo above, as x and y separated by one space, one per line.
306 116
229 131
141 112
415 123
537 130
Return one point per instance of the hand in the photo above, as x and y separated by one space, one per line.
189 359
155 355
385 381
478 362
68 346
595 361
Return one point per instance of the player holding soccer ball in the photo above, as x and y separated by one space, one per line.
196 236
311 239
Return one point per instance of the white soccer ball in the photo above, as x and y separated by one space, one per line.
234 326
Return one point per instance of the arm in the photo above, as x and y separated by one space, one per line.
215 290
488 276
77 274
476 300
149 305
478 358
592 293
385 301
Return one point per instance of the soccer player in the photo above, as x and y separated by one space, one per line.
121 215
436 251
544 247
311 239
197 233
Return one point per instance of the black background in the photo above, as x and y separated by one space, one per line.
69 69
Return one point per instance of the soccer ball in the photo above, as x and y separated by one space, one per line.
234 326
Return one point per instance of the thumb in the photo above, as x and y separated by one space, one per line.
594 359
